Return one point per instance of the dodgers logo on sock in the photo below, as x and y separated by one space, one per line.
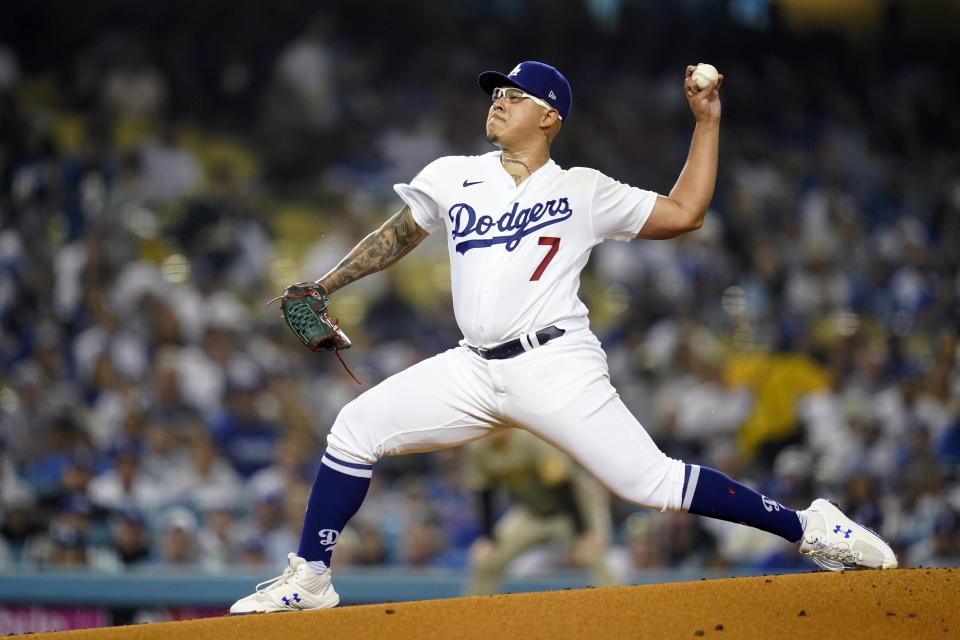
770 505
328 538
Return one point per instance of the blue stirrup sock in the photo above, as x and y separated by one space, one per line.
707 492
338 491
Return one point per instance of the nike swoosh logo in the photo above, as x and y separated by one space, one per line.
467 183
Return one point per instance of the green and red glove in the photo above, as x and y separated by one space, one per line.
304 307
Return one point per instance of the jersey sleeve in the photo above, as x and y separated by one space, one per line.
619 210
421 195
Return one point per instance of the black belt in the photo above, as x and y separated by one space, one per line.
515 347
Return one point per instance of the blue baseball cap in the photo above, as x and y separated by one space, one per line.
535 78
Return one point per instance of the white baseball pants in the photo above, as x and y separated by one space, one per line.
560 392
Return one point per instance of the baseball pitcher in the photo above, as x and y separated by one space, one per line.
519 230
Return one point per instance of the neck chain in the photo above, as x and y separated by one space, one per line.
520 162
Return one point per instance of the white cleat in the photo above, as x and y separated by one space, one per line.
298 587
835 542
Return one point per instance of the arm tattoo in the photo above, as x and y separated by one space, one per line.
394 239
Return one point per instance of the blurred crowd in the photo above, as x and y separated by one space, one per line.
157 187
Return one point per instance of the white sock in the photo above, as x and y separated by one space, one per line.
319 566
803 522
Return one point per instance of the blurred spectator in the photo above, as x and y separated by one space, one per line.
217 228
164 402
164 329
163 453
168 170
793 480
305 76
73 539
912 508
220 542
109 339
452 503
9 68
202 373
27 416
125 485
553 501
125 201
269 525
370 548
113 400
75 477
700 411
776 382
21 525
862 501
293 464
204 369
68 548
209 482
12 488
179 547
686 541
643 550
134 87
942 549
246 439
131 538
253 552
88 174
422 545
65 444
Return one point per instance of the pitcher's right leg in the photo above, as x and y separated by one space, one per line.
440 402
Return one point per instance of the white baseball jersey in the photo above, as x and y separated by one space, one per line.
516 252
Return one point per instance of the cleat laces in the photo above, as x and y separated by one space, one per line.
834 557
280 580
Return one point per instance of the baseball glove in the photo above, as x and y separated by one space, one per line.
304 307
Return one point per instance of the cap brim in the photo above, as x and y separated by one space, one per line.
490 80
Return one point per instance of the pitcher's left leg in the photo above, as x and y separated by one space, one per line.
594 426
613 446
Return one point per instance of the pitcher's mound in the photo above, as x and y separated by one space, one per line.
908 603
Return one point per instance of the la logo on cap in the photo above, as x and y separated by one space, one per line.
515 71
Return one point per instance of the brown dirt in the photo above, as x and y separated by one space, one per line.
911 603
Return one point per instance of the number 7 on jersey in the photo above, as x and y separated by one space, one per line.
554 244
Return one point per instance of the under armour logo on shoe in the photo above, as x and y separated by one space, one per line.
846 534
287 601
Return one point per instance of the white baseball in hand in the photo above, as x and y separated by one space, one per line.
704 74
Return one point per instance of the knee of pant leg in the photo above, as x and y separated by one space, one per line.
658 486
350 437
